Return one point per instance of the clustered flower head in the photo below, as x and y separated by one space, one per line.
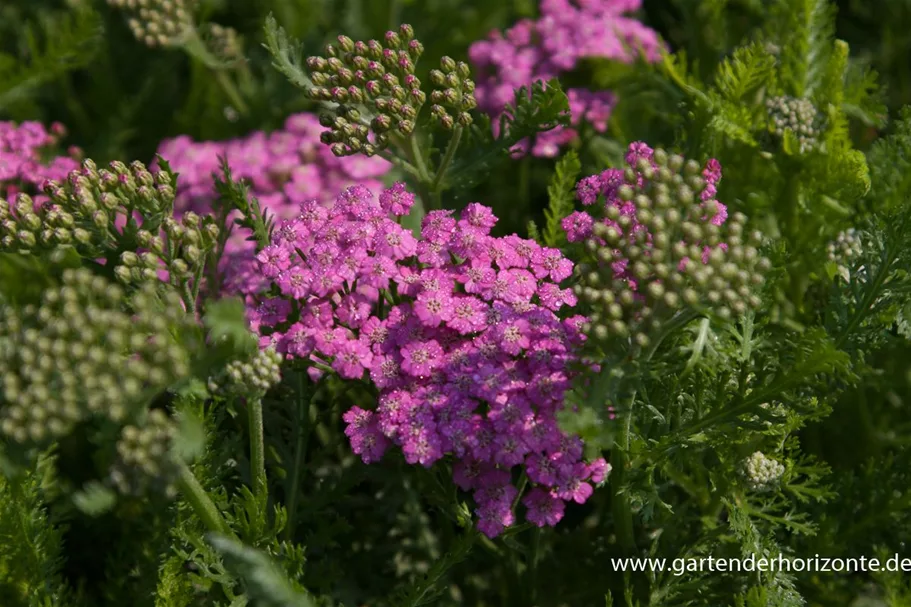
456 329
567 33
374 87
25 158
146 463
283 169
846 247
762 473
87 351
158 22
222 41
658 241
453 96
797 115
249 378
122 212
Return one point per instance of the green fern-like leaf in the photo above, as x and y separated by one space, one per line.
57 46
427 589
235 195
32 555
265 583
286 53
810 25
533 231
535 109
864 99
748 69
560 193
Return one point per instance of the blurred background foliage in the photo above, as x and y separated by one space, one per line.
119 98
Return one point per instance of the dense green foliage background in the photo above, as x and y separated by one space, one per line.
372 533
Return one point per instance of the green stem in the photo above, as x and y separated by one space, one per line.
322 367
302 421
447 160
412 150
257 448
403 164
620 505
196 48
188 298
231 91
201 503
418 158
534 559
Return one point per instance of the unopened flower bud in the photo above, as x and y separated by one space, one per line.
415 50
447 122
345 43
393 40
405 127
317 64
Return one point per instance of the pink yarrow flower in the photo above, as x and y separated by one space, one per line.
456 330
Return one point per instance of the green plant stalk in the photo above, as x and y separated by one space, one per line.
188 298
257 449
418 157
231 91
201 503
448 155
411 149
620 505
620 463
196 48
302 420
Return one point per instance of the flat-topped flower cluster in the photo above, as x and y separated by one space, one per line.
457 329
657 241
283 168
24 161
566 33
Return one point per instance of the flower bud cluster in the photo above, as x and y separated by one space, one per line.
846 247
27 160
99 212
374 87
249 378
158 22
660 242
797 115
283 169
86 351
222 41
762 473
453 94
146 463
566 34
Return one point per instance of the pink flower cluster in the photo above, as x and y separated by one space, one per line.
578 225
567 32
284 168
457 330
24 165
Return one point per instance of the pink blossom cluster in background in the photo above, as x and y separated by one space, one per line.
24 161
284 168
566 33
578 225
456 329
